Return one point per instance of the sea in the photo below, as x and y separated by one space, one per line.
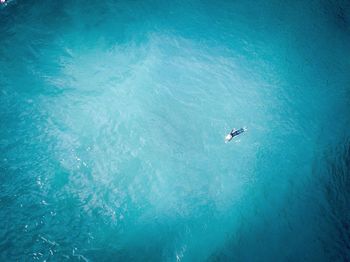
113 116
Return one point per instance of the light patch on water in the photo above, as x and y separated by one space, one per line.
122 108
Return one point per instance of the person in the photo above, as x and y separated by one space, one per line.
234 133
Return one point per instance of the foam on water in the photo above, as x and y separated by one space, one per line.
113 117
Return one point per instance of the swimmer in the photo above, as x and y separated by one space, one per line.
234 133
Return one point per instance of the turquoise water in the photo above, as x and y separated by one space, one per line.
113 115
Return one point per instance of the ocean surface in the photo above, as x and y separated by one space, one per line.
112 123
